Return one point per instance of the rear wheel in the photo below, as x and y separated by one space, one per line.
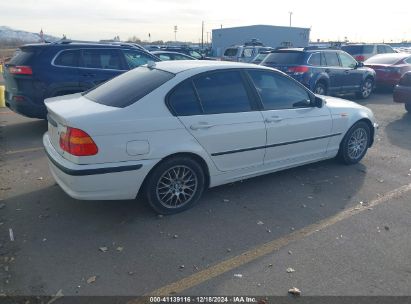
320 88
366 89
355 143
175 185
408 107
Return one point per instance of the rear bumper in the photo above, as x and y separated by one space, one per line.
26 107
108 181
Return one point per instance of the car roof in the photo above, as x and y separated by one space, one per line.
175 67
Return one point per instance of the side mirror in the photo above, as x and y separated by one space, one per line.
318 102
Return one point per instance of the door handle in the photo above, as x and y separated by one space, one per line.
273 119
201 125
327 71
347 71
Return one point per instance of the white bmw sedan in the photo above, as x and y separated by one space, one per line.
172 129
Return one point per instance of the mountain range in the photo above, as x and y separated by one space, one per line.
9 35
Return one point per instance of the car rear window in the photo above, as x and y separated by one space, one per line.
129 87
231 52
386 59
358 49
22 56
284 58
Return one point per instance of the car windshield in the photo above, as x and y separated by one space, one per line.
230 52
358 49
284 58
129 87
385 59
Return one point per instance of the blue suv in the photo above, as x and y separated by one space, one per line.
324 71
39 71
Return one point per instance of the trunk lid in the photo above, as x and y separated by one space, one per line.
71 110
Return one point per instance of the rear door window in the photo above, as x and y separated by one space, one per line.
222 92
102 59
129 87
183 100
315 59
69 58
332 59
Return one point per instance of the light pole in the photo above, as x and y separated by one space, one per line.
291 13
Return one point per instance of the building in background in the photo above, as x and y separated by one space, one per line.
269 35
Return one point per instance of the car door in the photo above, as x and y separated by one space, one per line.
297 131
352 80
217 109
335 72
99 65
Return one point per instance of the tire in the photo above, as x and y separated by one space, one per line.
320 88
355 143
366 89
174 185
408 107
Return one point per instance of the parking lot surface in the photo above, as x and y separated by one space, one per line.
344 230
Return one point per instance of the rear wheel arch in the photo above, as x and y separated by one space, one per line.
175 183
200 160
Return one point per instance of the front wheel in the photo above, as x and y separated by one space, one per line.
175 185
408 107
366 89
355 143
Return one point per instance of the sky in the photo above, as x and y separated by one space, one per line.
365 20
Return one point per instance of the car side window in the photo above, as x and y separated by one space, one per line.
408 60
195 54
101 59
69 58
315 59
332 59
248 53
380 49
222 92
180 57
388 49
347 61
136 58
164 56
183 100
277 92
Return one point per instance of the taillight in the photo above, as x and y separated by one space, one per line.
298 69
360 58
20 70
77 142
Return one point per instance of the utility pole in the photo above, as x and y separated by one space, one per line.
291 13
175 33
202 34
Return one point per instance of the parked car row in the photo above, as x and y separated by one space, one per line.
324 71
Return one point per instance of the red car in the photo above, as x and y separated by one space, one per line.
389 67
402 91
